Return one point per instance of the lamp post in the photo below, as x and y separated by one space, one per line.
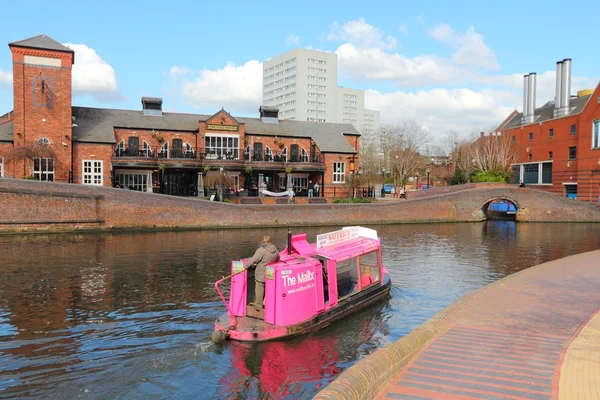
428 171
417 173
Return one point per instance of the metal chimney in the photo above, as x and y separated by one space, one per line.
565 88
524 119
558 97
525 95
531 96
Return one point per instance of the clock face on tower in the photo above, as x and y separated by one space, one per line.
42 91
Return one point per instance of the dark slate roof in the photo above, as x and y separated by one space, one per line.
327 136
6 132
96 125
41 42
546 112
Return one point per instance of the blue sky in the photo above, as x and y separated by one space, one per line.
450 67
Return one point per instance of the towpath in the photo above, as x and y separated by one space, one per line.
533 335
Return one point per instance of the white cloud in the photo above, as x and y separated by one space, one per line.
471 51
292 40
372 60
420 19
92 76
440 109
238 89
5 79
361 34
403 29
176 71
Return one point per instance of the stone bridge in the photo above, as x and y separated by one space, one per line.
32 206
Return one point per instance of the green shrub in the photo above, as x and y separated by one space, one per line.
354 200
389 179
491 176
30 178
459 177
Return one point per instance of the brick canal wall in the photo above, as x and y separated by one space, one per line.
32 205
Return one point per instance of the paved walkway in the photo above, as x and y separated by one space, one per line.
534 335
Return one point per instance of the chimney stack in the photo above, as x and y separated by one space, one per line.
481 134
558 96
531 96
529 87
565 89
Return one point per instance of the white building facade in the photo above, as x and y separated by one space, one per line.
303 85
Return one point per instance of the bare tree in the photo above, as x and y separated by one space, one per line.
29 152
494 153
405 157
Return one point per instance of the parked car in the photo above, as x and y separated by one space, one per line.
425 186
387 188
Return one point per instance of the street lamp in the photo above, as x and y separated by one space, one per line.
428 171
417 173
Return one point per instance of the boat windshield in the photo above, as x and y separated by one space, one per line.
357 273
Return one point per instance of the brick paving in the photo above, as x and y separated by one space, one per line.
533 335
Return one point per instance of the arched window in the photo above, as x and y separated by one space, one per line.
146 149
284 154
268 154
43 141
247 153
164 151
120 148
189 150
304 156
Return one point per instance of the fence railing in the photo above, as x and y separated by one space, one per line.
191 153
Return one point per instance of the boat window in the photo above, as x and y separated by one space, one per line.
369 268
347 276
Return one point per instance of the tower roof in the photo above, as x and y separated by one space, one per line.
42 42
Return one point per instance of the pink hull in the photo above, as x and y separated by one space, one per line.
250 329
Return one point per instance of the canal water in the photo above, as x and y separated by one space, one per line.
128 316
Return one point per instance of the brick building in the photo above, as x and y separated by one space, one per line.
558 144
47 138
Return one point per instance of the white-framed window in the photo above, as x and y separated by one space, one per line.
43 169
120 148
222 145
304 155
164 151
1 167
189 150
43 141
133 179
596 134
92 172
339 172
536 173
268 154
146 149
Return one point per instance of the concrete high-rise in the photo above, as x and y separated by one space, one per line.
303 85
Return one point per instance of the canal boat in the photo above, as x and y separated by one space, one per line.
311 286
502 210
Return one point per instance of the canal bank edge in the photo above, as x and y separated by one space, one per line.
33 206
368 378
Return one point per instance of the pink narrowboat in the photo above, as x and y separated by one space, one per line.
311 286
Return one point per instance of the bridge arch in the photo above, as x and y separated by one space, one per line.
500 208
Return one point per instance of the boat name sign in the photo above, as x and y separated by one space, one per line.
327 239
301 277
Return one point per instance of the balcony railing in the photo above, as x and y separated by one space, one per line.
221 154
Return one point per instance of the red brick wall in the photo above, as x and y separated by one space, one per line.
33 121
92 151
585 170
151 137
61 206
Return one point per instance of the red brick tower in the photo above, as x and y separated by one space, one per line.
42 113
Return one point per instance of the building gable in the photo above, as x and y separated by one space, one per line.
222 121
